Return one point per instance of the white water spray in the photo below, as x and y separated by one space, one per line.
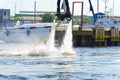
48 48
66 46
50 44
51 40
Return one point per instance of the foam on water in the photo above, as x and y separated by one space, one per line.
2 41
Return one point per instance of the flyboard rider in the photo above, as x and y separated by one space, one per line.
67 13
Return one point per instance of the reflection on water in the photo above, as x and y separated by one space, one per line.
87 64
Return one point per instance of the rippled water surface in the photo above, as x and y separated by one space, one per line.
87 64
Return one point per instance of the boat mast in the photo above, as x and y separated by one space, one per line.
15 9
113 7
105 5
97 6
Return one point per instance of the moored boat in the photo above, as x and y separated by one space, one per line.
25 32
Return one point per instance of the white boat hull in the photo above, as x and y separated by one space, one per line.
23 35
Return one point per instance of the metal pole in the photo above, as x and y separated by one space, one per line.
105 5
72 14
82 16
113 7
15 8
73 8
35 11
81 12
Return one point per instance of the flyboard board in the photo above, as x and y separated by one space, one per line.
46 37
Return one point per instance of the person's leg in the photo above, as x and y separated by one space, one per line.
59 15
58 6
68 14
67 5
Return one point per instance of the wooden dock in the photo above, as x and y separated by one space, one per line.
90 37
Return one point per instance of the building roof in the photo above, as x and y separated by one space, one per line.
19 15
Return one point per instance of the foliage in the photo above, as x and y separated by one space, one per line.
47 18
86 20
15 18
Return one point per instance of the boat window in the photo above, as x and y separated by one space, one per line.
5 13
118 21
21 27
107 17
115 22
47 26
102 17
32 28
99 17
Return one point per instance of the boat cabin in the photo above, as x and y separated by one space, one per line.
107 21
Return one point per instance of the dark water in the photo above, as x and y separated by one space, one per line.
87 64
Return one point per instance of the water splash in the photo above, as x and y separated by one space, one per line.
50 44
43 49
17 24
47 48
66 46
2 41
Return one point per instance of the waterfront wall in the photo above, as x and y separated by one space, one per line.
92 37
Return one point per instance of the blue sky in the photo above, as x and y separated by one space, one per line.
50 5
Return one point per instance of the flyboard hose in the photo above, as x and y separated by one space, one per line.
47 36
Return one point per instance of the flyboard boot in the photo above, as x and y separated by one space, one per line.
67 14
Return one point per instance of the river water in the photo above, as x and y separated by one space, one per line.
17 63
20 61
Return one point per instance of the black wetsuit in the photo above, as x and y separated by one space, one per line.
66 3
67 13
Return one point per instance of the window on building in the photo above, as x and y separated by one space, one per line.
5 13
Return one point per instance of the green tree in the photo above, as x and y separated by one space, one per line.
47 18
86 20
15 18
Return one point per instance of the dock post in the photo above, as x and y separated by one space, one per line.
80 28
99 36
114 36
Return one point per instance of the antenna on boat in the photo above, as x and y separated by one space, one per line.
97 6
113 7
15 9
105 5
